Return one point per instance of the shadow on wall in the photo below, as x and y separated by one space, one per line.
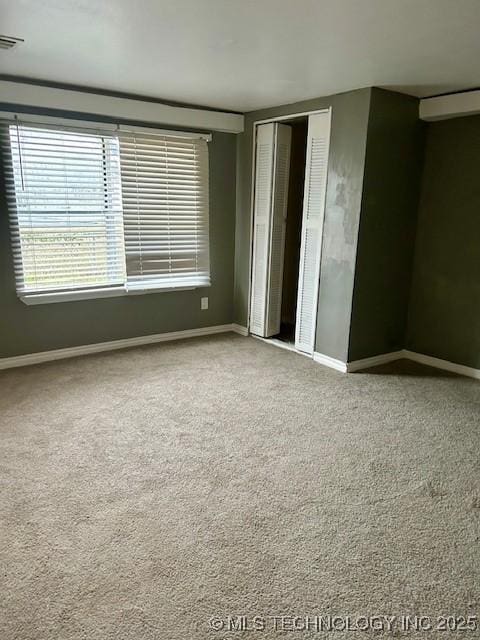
408 368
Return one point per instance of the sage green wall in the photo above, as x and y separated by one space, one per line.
27 329
343 204
444 315
391 188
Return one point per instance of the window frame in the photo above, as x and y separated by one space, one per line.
107 128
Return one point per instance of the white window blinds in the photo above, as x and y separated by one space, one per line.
115 209
165 210
66 212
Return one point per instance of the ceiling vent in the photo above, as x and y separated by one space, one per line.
8 42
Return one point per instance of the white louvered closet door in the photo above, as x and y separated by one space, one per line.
318 139
270 206
261 226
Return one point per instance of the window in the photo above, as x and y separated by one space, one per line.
165 210
67 228
114 211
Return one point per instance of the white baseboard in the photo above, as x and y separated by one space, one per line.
71 352
365 363
461 369
238 328
374 361
357 365
338 365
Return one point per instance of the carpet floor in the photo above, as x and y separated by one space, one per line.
166 491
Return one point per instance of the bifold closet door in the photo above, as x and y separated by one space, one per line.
272 169
318 139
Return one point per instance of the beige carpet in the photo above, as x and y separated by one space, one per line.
147 491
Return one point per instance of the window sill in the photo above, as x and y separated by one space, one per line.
92 294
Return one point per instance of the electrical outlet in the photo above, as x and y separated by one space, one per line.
203 304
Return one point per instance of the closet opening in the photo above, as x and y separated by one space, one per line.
290 176
293 231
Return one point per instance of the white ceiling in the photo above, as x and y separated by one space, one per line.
245 54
